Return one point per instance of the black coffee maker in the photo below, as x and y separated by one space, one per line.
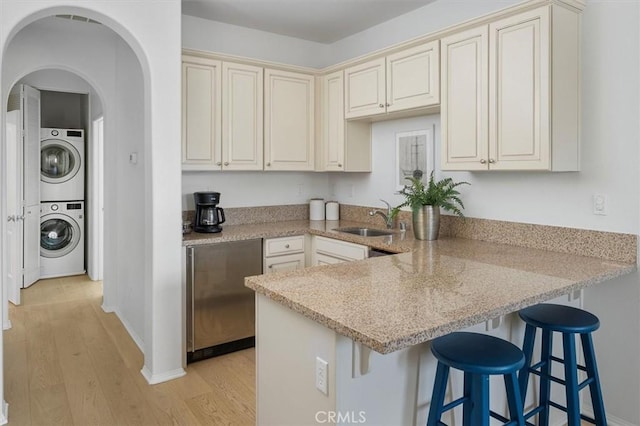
208 215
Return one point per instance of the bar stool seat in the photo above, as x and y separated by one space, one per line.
570 322
478 356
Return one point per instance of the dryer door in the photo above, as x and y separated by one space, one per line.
59 235
59 161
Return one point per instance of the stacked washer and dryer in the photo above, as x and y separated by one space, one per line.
62 202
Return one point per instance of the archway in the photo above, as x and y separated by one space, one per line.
157 264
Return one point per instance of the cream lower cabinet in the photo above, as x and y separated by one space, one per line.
289 120
510 93
343 145
405 80
284 254
201 114
327 251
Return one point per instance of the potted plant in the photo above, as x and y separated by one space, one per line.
426 201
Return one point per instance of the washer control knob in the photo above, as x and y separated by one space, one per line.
54 133
54 207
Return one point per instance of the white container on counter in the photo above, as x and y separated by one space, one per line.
332 210
316 209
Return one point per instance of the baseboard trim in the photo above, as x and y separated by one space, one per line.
4 415
611 420
154 379
137 340
108 309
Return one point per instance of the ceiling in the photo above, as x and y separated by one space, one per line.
323 21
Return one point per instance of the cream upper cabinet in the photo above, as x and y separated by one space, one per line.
365 89
289 120
333 121
463 110
413 78
201 114
405 80
531 88
345 145
242 117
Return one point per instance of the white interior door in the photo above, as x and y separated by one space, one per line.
14 210
30 109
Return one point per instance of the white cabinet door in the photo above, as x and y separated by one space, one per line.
201 114
30 108
289 120
324 259
464 103
413 77
289 262
13 164
333 122
242 117
365 92
519 92
329 250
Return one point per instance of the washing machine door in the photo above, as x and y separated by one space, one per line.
59 235
59 161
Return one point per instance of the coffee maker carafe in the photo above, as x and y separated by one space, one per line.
208 215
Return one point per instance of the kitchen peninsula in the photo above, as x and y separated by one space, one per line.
371 321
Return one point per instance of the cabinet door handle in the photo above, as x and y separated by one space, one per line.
270 266
388 104
286 246
218 163
268 164
11 218
483 161
381 105
226 163
491 161
339 165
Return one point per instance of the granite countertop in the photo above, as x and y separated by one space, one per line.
428 289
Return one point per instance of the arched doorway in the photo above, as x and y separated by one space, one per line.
142 237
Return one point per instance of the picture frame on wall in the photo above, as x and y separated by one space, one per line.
414 156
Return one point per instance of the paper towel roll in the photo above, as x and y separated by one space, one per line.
332 209
316 209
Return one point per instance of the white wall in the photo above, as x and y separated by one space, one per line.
367 189
247 189
128 204
212 36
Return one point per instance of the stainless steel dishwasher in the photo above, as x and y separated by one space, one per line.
220 309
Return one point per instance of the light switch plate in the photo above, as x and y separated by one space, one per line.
600 204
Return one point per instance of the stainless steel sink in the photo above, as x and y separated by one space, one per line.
365 232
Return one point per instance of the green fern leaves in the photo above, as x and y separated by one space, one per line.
442 193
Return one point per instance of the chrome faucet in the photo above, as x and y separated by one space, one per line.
388 220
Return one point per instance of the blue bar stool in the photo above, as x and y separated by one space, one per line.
478 356
569 321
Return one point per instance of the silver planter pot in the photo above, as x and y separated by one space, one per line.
426 222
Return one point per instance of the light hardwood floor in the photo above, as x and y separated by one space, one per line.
69 363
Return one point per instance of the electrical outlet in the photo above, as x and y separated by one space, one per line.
322 368
600 204
300 189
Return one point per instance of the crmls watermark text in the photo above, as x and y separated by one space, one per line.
349 417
